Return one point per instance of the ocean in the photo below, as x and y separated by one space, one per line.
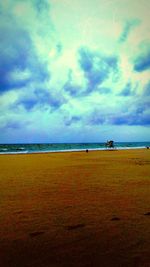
57 147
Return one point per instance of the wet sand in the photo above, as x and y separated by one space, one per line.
75 209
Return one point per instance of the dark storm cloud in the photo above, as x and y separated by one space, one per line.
72 120
97 67
77 91
59 48
40 97
129 25
138 113
13 125
96 118
137 118
127 90
73 89
28 103
17 54
130 119
40 5
142 62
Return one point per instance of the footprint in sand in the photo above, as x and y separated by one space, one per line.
34 234
115 219
147 214
74 227
18 212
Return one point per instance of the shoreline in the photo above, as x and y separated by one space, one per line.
73 150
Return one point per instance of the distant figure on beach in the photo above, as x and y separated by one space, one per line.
87 150
109 144
147 147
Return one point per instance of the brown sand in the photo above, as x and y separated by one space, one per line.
75 209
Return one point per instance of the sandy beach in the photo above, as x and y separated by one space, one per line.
75 209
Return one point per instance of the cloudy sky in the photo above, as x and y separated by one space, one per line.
74 70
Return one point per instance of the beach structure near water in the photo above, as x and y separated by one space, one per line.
110 144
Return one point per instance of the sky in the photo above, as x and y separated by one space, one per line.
74 71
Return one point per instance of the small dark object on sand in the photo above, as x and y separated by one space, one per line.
87 150
147 213
73 227
147 147
115 219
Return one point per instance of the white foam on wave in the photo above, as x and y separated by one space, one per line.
14 152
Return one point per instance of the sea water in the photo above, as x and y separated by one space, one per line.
64 147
